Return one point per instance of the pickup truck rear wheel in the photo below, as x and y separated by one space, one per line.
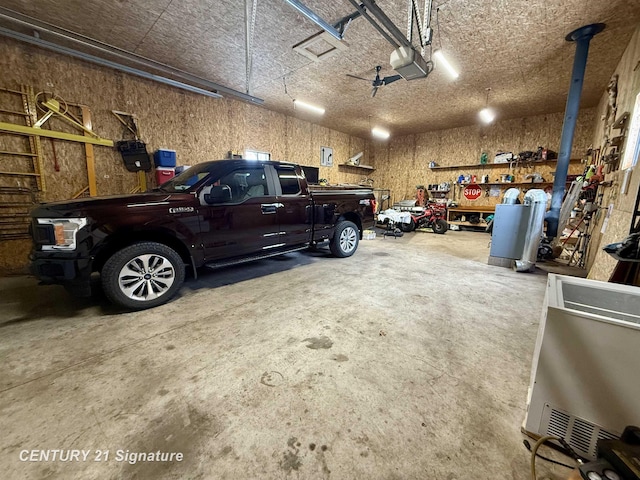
345 239
142 275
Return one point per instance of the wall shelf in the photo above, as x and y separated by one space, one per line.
503 165
511 183
361 167
507 184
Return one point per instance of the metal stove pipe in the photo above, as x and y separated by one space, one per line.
511 196
537 200
582 36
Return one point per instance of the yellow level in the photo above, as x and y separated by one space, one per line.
23 130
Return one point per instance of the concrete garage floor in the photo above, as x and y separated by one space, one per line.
409 360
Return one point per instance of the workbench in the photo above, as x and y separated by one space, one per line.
482 211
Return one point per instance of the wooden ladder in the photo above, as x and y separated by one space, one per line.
16 201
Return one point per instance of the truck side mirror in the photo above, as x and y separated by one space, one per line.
218 194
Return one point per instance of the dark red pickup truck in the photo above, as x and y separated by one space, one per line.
213 214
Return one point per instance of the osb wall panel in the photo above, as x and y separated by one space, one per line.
197 127
600 264
304 141
13 256
403 163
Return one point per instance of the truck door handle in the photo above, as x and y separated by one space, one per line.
269 208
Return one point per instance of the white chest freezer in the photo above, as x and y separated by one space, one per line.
585 378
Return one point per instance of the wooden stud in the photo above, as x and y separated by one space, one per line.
88 149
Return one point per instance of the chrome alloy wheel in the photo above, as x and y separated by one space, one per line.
348 239
146 277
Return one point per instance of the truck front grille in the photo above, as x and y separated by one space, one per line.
51 270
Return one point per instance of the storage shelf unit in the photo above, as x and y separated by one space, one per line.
503 165
438 194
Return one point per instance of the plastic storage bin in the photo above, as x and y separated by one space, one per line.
164 174
181 168
165 158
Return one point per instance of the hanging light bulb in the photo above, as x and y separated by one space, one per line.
487 115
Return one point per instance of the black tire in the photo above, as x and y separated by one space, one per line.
345 239
143 259
440 226
408 227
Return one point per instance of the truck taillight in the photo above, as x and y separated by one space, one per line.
374 205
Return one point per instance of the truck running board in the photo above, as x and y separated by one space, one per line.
251 258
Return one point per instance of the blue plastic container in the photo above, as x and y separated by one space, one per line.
165 158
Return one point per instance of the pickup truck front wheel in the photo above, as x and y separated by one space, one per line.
142 275
345 239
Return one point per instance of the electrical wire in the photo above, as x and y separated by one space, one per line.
534 452
284 82
438 27
551 460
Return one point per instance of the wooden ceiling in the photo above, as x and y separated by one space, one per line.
515 47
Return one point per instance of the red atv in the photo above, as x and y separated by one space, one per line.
433 216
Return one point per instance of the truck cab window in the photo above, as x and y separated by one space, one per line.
245 183
289 181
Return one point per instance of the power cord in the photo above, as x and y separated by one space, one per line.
534 453
551 460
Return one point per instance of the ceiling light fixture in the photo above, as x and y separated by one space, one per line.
380 133
308 106
487 115
440 58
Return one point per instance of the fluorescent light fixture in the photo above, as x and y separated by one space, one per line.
440 58
308 106
487 115
380 133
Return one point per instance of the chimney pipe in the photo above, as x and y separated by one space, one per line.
582 36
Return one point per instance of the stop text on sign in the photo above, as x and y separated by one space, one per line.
472 192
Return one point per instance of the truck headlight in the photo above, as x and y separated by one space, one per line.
61 232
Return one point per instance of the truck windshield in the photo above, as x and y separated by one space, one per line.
191 178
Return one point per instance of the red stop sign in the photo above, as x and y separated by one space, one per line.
472 192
